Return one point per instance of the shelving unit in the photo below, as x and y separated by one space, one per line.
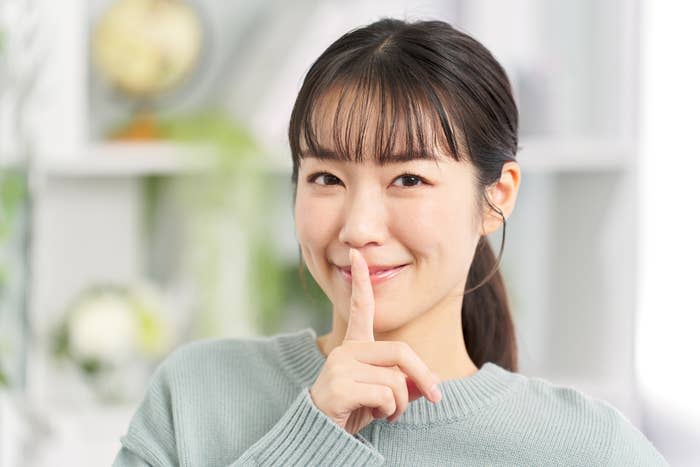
132 159
125 160
569 260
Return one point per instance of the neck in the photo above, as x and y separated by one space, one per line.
461 398
436 336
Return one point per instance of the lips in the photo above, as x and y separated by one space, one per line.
373 269
378 274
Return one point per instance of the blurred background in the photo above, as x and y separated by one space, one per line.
146 199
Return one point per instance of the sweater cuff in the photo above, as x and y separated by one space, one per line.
306 436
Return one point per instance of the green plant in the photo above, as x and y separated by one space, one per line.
236 186
12 197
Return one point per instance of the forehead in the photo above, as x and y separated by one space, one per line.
352 123
396 158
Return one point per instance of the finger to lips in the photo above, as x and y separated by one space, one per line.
361 316
361 328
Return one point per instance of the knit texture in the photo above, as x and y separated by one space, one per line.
235 402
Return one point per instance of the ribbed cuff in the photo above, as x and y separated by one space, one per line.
306 436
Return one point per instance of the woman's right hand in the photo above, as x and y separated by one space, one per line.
362 379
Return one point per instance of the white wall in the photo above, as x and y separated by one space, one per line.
669 251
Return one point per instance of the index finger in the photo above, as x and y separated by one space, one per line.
398 353
361 315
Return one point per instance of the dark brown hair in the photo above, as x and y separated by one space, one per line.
416 77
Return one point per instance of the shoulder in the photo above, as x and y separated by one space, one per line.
242 361
195 364
214 355
590 426
222 348
206 372
629 446
564 399
190 389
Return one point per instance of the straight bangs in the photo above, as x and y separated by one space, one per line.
382 111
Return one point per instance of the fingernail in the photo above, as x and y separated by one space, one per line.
435 393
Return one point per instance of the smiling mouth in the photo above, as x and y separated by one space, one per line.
376 276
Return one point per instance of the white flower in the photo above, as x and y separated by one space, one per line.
105 328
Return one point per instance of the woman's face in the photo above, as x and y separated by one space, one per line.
420 213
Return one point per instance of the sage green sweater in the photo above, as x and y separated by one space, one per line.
235 402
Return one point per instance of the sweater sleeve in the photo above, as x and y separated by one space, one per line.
306 436
631 447
302 436
150 439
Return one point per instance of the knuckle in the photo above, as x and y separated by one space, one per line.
386 394
402 350
399 382
388 399
402 393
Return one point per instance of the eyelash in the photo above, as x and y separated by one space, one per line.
314 176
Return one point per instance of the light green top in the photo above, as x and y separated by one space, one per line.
234 401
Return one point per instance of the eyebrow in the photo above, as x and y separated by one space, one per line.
396 158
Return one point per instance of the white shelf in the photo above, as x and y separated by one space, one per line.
141 159
7 162
132 159
168 158
574 155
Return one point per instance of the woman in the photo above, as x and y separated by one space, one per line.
403 138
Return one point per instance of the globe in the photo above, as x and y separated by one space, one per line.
145 48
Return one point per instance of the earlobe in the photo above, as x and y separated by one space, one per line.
502 195
492 219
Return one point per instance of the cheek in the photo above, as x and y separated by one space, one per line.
434 229
313 223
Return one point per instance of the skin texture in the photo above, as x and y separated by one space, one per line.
432 224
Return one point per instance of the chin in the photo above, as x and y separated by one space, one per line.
389 319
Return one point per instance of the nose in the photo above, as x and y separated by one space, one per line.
364 220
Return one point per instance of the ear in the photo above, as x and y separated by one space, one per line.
502 194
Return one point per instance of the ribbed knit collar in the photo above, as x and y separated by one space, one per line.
303 360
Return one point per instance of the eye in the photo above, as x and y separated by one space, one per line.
327 177
413 180
410 180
